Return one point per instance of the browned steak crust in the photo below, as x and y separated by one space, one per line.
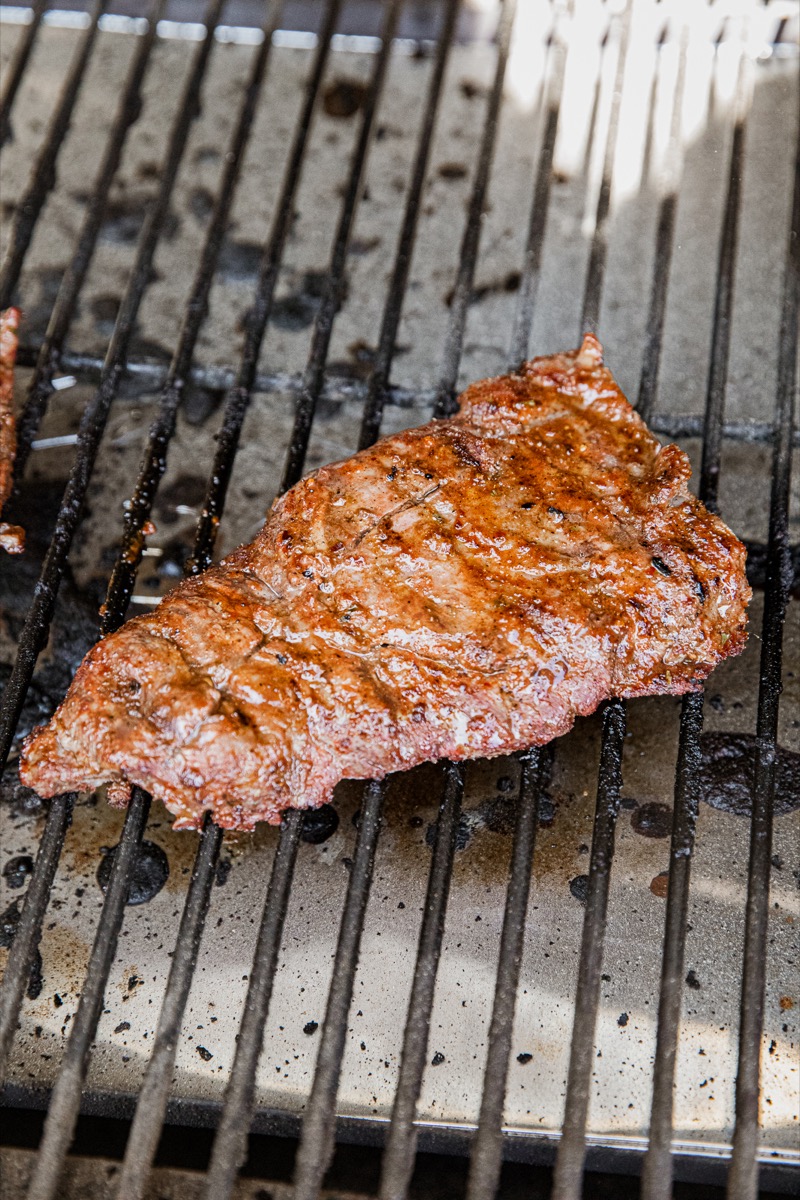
12 537
461 589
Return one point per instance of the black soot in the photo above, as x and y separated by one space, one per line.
344 97
17 870
579 887
150 873
727 774
319 824
9 923
652 820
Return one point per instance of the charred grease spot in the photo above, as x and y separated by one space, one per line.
453 170
297 310
124 216
36 978
507 283
319 824
463 833
150 873
200 403
201 204
239 261
727 774
661 566
652 820
497 815
185 492
104 310
17 870
579 887
547 810
659 884
9 921
222 872
344 97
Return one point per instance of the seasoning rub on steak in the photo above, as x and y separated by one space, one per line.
462 589
12 538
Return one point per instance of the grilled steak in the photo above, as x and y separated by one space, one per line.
458 590
12 537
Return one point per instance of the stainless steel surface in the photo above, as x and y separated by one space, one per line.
619 1109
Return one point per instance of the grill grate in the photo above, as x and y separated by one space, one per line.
308 389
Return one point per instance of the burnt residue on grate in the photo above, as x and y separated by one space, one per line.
727 774
17 870
9 923
150 872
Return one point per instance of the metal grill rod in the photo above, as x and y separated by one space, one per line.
26 938
154 459
18 66
723 300
40 387
537 220
595 271
283 864
152 1103
487 1152
398 1158
568 1175
468 254
378 387
239 397
743 1178
657 1177
665 238
37 627
231 1142
657 1170
62 1115
37 624
399 1155
317 1140
44 172
152 1100
323 326
319 1124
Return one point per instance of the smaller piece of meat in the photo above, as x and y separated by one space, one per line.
12 538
